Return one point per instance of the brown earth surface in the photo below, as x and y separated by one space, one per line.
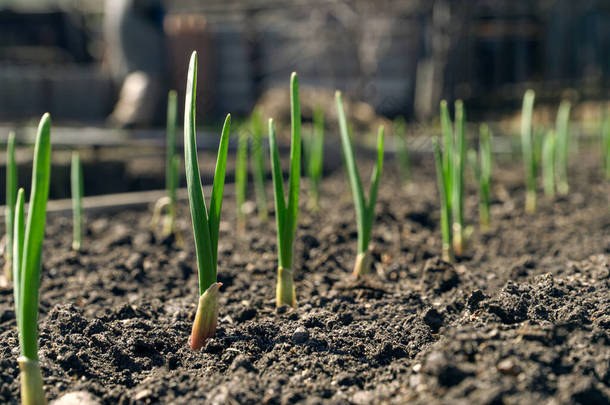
523 319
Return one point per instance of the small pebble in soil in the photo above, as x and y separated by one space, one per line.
433 319
509 367
300 335
77 398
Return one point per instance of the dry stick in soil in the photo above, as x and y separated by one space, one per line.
27 252
11 199
205 222
76 188
529 163
286 212
365 212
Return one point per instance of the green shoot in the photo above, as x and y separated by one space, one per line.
172 164
172 161
482 169
314 152
445 213
241 178
286 212
206 222
529 164
27 251
11 199
258 163
399 129
76 183
605 140
365 212
548 164
562 128
457 184
447 151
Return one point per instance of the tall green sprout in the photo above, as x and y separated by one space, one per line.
562 128
482 168
447 152
453 158
76 186
444 199
457 184
365 211
529 163
286 212
314 152
206 222
11 199
399 130
172 161
27 251
172 164
548 164
605 144
258 163
241 177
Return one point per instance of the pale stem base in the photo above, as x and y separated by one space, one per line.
363 264
458 240
206 318
285 293
530 202
446 251
31 382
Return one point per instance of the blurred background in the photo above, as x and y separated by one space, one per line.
102 68
111 62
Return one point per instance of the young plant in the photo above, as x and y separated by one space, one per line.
447 152
258 163
562 128
11 199
444 197
457 183
548 164
206 222
27 250
76 183
529 164
172 161
286 212
399 130
314 152
365 211
172 164
482 170
605 140
241 178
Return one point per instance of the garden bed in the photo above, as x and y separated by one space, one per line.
524 319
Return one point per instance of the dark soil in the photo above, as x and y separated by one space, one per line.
524 319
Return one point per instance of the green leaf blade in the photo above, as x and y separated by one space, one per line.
352 171
34 236
218 187
199 215
278 187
